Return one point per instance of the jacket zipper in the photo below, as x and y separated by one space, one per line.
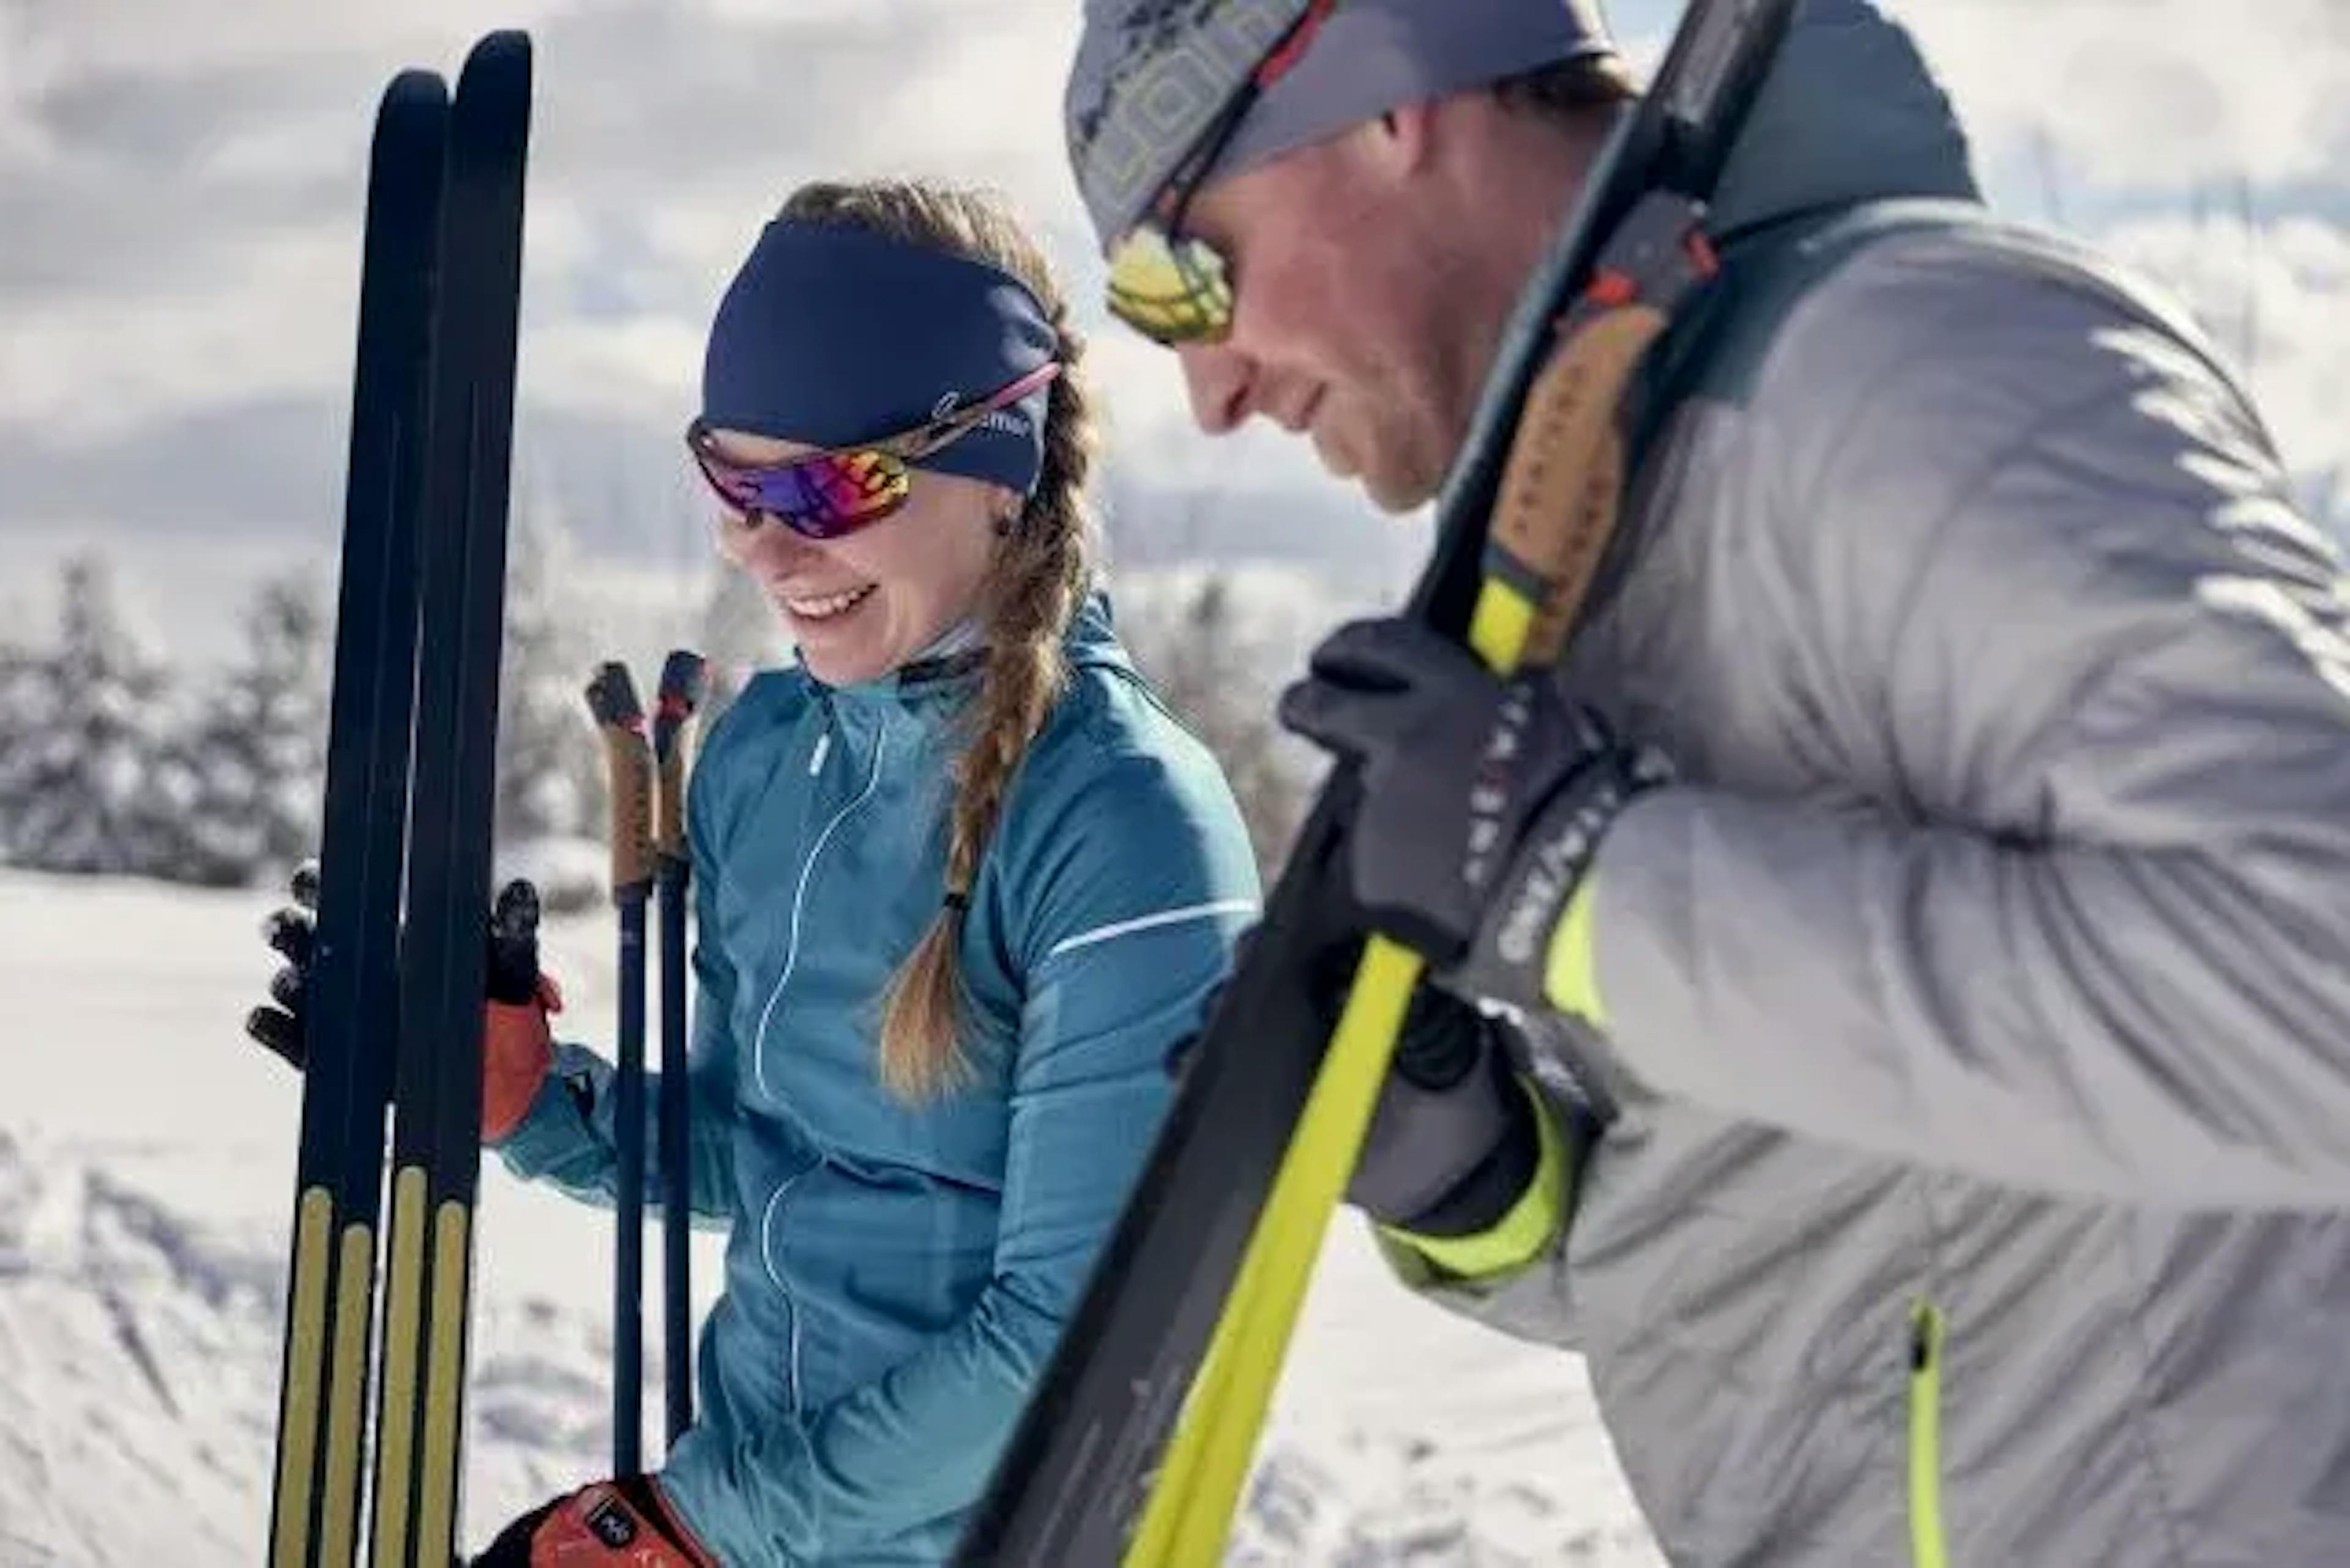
1926 1548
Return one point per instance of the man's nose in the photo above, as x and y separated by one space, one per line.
1217 377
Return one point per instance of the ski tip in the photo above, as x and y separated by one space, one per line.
501 60
507 48
412 98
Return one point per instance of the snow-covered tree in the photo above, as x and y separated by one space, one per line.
23 702
254 756
550 771
85 783
739 634
550 786
1201 657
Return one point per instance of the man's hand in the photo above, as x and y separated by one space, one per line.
1451 1142
1482 803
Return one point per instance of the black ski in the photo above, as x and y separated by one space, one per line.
1077 1473
436 1148
353 986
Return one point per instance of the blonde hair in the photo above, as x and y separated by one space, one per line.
1041 569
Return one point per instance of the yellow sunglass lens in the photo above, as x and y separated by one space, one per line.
1174 292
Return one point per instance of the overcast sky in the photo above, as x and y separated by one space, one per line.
181 185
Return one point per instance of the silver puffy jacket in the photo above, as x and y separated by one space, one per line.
1977 1189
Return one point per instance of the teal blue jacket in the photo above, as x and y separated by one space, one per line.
896 1276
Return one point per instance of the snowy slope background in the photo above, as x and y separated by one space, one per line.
146 1175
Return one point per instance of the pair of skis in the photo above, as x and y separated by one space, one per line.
394 1005
646 768
1137 1439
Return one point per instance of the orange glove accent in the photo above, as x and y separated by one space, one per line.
517 1050
626 1523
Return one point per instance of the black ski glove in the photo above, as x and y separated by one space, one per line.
1453 1141
1482 803
292 932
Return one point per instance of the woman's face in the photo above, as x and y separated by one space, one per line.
861 605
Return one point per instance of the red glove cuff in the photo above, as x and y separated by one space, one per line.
517 1050
624 1523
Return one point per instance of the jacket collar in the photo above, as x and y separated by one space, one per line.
949 668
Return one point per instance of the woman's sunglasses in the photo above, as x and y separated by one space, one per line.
1174 287
829 493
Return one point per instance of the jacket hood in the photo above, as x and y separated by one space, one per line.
1850 112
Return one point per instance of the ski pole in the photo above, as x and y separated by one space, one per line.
627 755
682 678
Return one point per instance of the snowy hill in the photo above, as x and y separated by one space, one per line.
146 1169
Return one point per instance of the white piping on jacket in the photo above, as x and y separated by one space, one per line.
1151 922
767 1262
799 898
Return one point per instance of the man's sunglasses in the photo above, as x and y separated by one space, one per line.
1174 287
828 493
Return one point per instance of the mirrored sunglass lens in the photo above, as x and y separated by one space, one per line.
1175 293
823 495
839 491
830 493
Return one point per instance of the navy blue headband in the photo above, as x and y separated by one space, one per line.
831 335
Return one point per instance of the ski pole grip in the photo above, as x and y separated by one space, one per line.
684 678
627 760
1562 486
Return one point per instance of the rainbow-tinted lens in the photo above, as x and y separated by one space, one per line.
822 497
828 493
1172 290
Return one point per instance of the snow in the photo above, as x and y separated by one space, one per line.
146 1173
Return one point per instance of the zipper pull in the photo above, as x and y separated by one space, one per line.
831 720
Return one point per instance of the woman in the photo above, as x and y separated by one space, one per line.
961 883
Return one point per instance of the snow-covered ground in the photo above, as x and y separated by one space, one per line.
146 1171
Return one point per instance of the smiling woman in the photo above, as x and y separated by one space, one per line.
962 882
933 565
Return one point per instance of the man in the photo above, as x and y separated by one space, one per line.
1926 876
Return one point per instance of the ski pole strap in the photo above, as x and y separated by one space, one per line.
1568 459
628 758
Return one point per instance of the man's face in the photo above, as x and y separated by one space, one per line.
1356 319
